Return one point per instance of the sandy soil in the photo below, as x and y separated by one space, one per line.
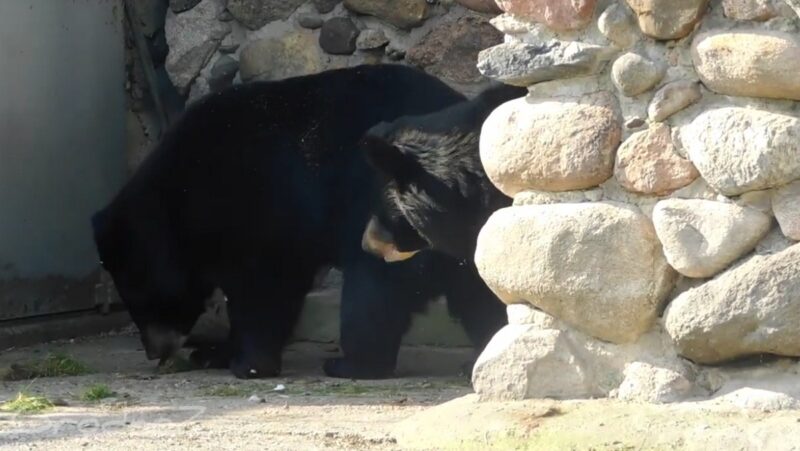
212 410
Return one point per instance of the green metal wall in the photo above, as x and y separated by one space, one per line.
62 147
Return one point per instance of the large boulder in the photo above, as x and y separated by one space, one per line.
404 14
193 37
754 63
523 362
290 55
179 6
450 50
524 64
751 309
596 266
482 6
738 150
551 145
758 10
254 14
702 237
537 356
786 206
668 19
556 14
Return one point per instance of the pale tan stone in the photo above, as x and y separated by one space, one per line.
752 309
758 10
596 266
668 19
648 163
738 150
703 237
551 145
755 63
672 98
786 205
556 14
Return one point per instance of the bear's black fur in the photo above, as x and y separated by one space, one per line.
436 195
253 190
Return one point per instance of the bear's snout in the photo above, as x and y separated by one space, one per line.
378 241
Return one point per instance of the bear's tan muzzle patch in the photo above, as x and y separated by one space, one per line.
374 242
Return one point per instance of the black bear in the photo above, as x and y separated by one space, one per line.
436 195
253 190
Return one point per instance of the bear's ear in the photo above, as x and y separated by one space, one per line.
389 159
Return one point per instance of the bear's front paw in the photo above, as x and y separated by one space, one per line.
348 369
246 369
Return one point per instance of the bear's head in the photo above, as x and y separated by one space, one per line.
433 191
149 281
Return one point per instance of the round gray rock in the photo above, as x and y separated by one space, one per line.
371 39
325 6
338 36
311 21
618 25
634 74
223 73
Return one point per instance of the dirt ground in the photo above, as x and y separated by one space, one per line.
429 406
212 410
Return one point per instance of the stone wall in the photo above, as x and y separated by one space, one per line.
214 43
655 171
202 46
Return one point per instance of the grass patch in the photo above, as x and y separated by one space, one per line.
52 365
327 388
228 391
175 364
366 389
26 404
351 389
97 392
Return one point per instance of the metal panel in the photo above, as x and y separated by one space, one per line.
62 147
